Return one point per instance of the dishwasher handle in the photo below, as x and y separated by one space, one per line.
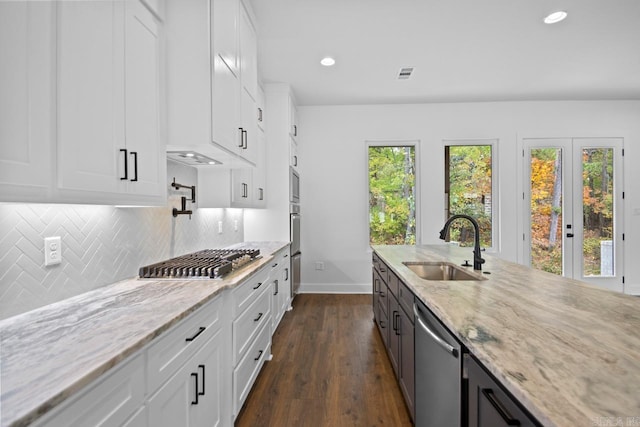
442 343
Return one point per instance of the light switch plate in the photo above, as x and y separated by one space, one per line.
52 250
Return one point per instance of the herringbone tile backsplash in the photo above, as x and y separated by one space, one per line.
100 245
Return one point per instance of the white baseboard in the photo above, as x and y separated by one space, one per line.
335 288
632 289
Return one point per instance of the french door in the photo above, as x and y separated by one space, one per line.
573 208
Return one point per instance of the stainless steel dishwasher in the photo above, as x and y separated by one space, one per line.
438 367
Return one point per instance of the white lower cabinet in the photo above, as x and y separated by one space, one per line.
198 373
110 401
249 367
192 397
281 278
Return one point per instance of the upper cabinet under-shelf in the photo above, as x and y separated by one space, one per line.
212 81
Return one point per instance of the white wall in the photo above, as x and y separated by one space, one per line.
100 244
335 189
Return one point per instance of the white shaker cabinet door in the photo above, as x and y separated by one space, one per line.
193 396
27 34
147 161
90 99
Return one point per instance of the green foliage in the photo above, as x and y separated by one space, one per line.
392 195
470 177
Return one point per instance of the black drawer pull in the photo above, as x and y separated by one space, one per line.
195 402
258 318
126 165
201 330
257 286
259 354
202 366
504 413
135 166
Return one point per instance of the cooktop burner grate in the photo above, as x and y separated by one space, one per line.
208 263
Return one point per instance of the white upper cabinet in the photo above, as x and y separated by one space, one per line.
205 80
248 54
27 31
91 96
109 141
142 101
225 21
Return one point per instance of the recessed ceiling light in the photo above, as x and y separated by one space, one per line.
555 17
328 61
189 154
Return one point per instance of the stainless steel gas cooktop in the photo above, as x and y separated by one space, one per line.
205 264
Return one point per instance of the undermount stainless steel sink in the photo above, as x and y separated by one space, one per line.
441 271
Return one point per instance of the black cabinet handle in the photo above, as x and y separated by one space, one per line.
286 274
195 402
261 193
295 130
395 320
126 165
382 324
259 114
295 160
201 330
257 286
241 134
258 318
274 265
398 324
202 367
504 413
245 139
569 234
276 284
259 354
135 165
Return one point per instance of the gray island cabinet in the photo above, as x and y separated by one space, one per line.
527 348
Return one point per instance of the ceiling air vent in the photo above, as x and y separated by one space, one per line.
405 73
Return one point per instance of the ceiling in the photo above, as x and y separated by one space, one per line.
462 50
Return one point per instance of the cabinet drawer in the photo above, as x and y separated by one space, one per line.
392 282
109 401
246 326
380 267
249 367
405 298
170 352
245 294
489 403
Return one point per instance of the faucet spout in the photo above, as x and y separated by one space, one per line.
477 258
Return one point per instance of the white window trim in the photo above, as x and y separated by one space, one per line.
398 143
495 194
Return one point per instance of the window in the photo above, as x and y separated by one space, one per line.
392 195
469 190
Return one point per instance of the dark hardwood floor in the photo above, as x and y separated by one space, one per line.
329 368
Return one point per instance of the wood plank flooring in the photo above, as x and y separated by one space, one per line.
329 368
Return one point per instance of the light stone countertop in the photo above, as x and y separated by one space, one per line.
568 351
48 354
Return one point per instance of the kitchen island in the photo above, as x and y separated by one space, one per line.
569 352
50 354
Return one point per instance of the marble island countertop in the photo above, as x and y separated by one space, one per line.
48 354
567 350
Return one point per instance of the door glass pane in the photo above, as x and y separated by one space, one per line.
546 209
392 195
469 191
597 212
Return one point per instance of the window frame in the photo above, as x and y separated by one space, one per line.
415 143
495 197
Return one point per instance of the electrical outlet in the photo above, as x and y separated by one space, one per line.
235 225
219 227
52 250
319 265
